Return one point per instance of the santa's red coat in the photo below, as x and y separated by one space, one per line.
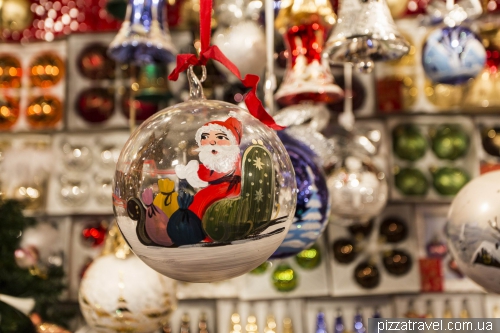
220 187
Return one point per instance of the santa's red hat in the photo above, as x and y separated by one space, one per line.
231 127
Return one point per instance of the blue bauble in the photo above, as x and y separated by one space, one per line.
313 204
453 55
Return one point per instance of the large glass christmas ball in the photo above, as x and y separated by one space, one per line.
125 295
313 203
453 55
203 191
473 230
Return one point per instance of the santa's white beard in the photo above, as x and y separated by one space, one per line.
223 161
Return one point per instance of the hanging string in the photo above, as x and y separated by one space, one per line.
207 52
270 85
346 118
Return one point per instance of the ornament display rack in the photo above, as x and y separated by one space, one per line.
329 287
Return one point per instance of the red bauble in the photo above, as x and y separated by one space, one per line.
94 63
93 234
143 109
96 105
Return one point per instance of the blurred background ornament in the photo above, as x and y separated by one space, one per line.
117 8
15 15
76 157
240 38
44 112
143 109
490 139
393 230
46 70
120 293
10 71
359 326
143 37
367 275
449 141
14 321
411 181
309 258
94 233
304 25
152 83
73 191
397 262
94 63
344 250
453 55
365 33
9 112
284 278
473 230
321 323
449 180
408 142
262 268
96 105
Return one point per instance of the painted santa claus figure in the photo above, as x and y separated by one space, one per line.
219 174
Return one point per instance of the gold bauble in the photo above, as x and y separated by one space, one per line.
297 12
15 15
10 71
9 112
44 111
444 96
46 70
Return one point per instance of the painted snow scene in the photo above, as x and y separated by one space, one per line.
204 184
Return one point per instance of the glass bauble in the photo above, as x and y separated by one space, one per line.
453 55
367 275
76 157
411 181
44 112
208 221
344 250
96 105
94 63
125 295
449 180
46 70
14 321
284 278
358 189
10 72
393 230
9 112
473 230
309 258
449 142
408 142
397 262
73 191
313 204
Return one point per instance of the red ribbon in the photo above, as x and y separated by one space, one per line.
253 103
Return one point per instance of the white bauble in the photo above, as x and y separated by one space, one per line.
125 295
245 45
473 230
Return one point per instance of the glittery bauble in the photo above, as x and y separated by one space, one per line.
96 105
125 295
309 258
284 278
94 63
344 250
397 262
393 230
46 70
490 138
44 112
411 181
14 321
9 112
313 204
408 142
453 55
449 180
367 275
187 206
473 230
450 142
10 71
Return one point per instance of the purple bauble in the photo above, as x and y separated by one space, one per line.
313 204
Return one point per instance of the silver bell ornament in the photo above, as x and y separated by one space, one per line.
365 33
203 191
473 230
143 37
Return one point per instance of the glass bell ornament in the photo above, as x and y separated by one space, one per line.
240 38
365 33
224 216
358 189
44 111
10 72
473 230
96 104
143 36
119 293
304 25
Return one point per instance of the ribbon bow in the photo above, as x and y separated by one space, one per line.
208 51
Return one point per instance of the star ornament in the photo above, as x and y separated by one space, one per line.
258 163
259 195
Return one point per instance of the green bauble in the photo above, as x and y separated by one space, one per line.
261 269
309 258
232 219
14 321
411 181
450 142
449 180
408 142
284 278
